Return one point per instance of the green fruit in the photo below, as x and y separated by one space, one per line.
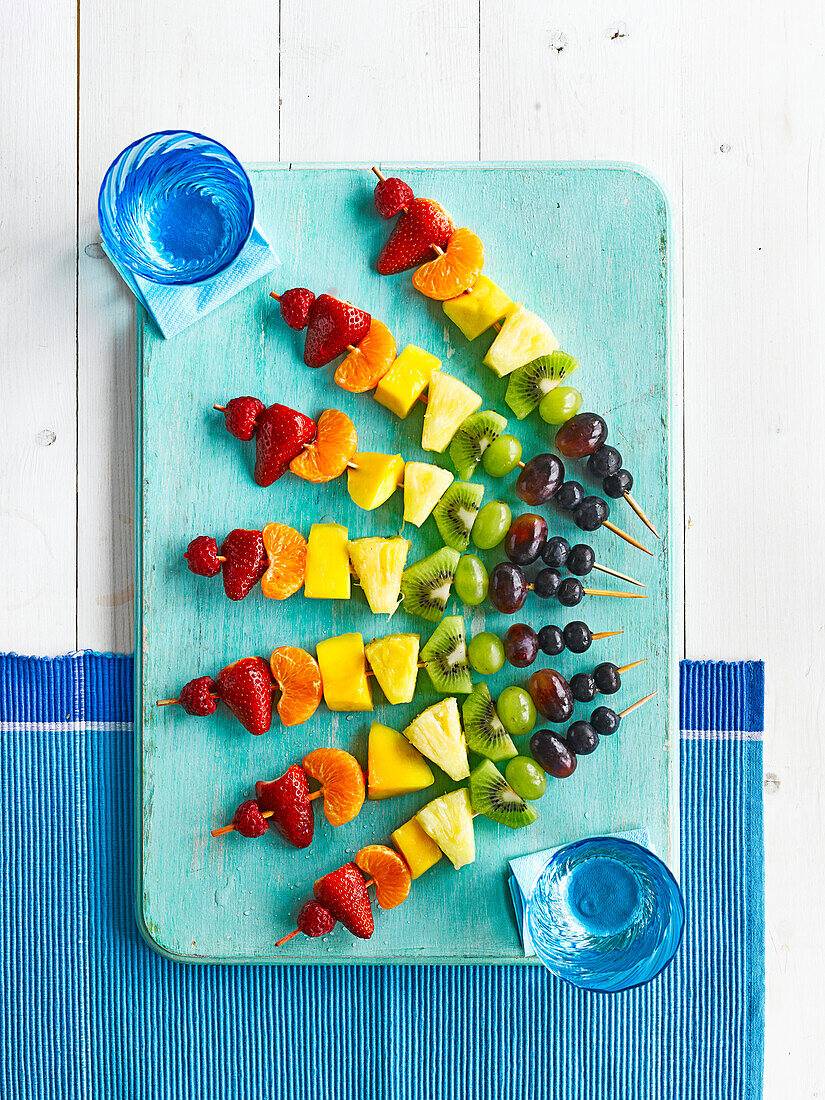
456 513
491 525
516 710
557 406
529 384
483 730
526 778
472 439
486 653
471 580
425 586
492 795
502 456
445 657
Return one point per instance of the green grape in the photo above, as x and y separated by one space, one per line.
557 406
491 524
516 711
486 653
471 580
502 456
526 778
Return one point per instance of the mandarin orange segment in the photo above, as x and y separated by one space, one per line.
390 871
342 783
334 445
364 367
455 271
286 549
297 674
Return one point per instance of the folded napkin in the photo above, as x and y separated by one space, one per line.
524 870
174 308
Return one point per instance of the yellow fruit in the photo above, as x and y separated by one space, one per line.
344 673
424 486
449 821
448 403
328 575
418 849
379 564
406 380
437 733
478 308
375 478
394 661
394 767
523 338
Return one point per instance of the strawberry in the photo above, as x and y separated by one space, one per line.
202 556
333 326
281 434
423 224
344 893
246 562
315 920
246 688
240 415
288 798
248 820
295 306
196 697
391 196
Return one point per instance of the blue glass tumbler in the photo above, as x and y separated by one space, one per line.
605 914
176 208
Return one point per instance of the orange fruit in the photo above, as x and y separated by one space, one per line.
286 549
342 783
392 875
457 270
364 367
336 441
297 674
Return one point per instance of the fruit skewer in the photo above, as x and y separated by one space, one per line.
558 755
554 696
526 540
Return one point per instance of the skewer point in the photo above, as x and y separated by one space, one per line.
640 703
633 664
624 535
641 514
610 592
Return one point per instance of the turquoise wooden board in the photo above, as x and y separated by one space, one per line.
587 248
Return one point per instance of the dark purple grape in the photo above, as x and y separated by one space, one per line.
508 588
607 678
521 645
571 592
583 687
604 462
525 539
581 436
591 513
569 495
551 693
551 753
554 552
605 721
540 479
581 559
551 641
547 583
582 738
617 485
577 636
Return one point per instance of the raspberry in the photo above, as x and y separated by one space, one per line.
202 556
295 305
248 820
196 696
240 415
392 195
315 919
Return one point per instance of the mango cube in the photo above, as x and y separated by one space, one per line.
394 767
406 380
327 575
478 308
419 850
344 673
375 479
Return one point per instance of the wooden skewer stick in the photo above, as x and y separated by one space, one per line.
610 592
640 513
264 813
287 938
627 668
640 703
624 535
621 576
606 634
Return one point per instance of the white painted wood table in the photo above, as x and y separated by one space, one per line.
721 98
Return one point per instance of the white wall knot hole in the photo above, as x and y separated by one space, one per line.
724 147
45 438
95 251
558 40
618 30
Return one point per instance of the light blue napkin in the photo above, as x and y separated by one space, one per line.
524 870
174 308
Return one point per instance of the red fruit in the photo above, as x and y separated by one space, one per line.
333 325
246 562
281 435
344 893
315 920
240 415
295 306
246 688
288 798
202 556
248 820
421 226
391 196
196 696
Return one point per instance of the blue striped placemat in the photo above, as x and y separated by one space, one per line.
89 1011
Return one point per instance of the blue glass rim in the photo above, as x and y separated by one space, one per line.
668 876
113 245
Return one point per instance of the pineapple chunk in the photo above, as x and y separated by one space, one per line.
419 850
379 564
437 733
449 821
375 479
394 767
394 660
523 337
478 308
344 673
449 402
424 486
327 570
406 380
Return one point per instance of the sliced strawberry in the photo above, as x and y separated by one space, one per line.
246 688
248 820
315 919
202 556
246 562
423 224
281 434
391 196
295 306
196 697
240 415
288 798
344 893
332 326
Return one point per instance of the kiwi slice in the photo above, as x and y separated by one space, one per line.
482 726
445 657
474 436
492 795
456 513
425 586
527 385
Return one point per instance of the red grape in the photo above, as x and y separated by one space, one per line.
540 479
581 436
553 754
521 645
508 588
552 695
524 541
